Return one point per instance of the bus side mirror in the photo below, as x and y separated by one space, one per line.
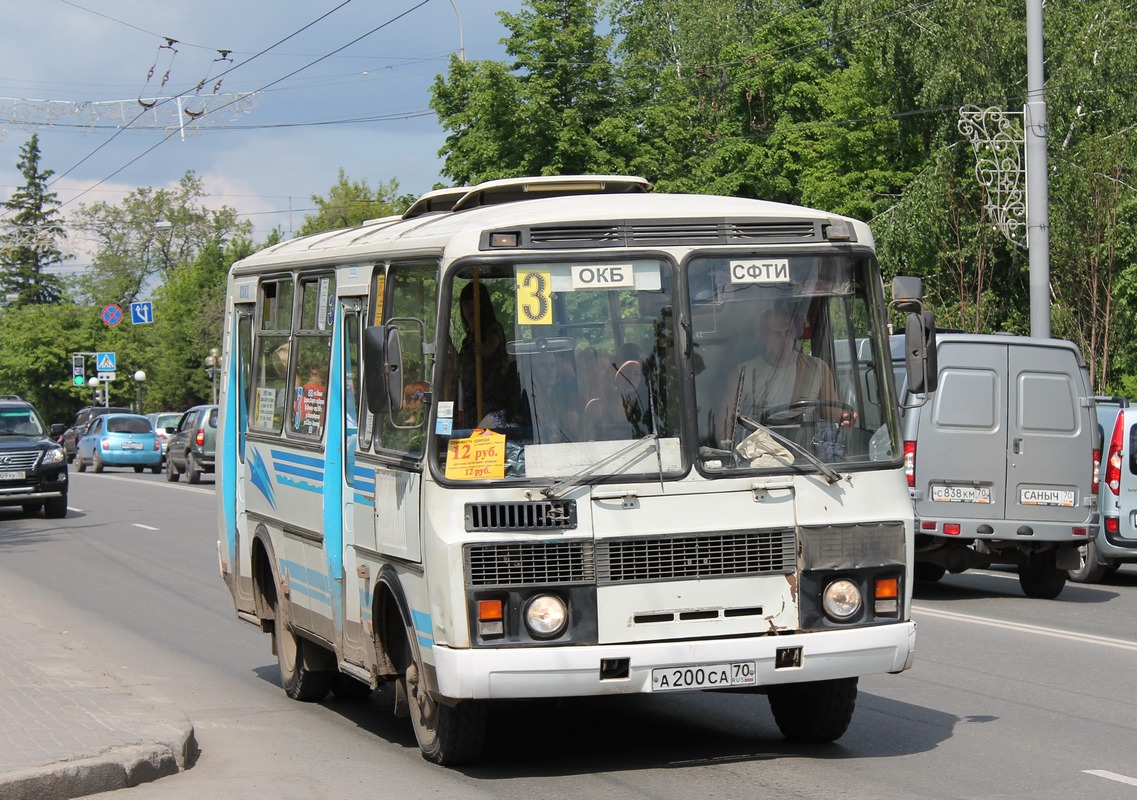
920 352
382 369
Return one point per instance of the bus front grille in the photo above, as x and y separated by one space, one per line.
725 553
538 516
530 563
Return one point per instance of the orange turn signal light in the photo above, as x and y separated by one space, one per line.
490 610
886 588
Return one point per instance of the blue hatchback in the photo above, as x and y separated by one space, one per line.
119 440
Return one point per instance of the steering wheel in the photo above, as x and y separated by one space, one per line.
791 413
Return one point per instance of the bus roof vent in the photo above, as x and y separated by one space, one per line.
663 233
511 190
546 515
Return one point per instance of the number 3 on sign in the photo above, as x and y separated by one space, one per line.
534 303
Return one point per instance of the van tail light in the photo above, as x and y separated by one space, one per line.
910 463
1113 525
1113 460
199 440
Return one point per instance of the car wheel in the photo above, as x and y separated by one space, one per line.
55 508
97 462
193 471
171 471
156 469
139 467
80 464
1089 570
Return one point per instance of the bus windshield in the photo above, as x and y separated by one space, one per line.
788 370
570 361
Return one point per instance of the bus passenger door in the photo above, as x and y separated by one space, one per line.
231 467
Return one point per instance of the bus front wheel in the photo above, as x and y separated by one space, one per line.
447 735
299 679
814 712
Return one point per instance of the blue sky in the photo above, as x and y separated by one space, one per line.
312 107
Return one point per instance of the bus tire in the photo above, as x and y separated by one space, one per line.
814 712
1091 570
1040 577
299 680
447 735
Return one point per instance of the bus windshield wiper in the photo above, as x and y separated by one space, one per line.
831 475
559 488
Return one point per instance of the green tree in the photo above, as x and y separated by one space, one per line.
30 244
150 234
542 115
350 203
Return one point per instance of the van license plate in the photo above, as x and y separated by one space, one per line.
960 494
13 475
1046 497
707 676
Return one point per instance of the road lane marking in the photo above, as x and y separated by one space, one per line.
144 527
1111 776
169 484
1023 627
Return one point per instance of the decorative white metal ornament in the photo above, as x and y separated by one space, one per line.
997 138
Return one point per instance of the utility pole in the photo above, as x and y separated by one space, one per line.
1036 127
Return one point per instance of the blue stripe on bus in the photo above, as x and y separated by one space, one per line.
284 469
308 487
296 458
424 627
365 501
307 582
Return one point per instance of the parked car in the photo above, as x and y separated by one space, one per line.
191 448
1116 543
33 466
119 440
71 436
165 423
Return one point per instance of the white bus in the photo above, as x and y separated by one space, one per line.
562 490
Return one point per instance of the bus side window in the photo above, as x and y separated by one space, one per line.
268 383
313 355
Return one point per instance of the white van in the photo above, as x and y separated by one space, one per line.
1116 543
1002 458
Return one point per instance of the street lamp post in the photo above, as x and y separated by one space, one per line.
212 365
94 384
139 379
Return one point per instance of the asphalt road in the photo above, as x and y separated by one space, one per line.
1009 697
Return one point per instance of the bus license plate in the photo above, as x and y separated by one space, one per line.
1046 497
706 676
961 494
13 475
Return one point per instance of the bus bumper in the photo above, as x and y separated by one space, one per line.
576 671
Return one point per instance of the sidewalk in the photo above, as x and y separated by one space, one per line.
68 728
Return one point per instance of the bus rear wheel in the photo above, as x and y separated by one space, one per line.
814 712
299 679
447 735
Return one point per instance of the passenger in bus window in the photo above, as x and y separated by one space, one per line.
488 346
311 397
782 377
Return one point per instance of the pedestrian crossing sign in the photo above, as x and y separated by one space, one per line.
105 362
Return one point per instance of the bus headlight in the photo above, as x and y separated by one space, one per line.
546 616
842 600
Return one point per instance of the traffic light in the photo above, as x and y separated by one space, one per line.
78 371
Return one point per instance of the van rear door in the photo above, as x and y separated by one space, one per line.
1050 435
962 438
